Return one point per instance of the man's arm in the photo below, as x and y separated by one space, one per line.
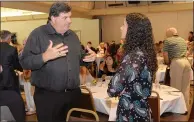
165 53
31 57
166 59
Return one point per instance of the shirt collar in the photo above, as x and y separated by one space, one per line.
51 30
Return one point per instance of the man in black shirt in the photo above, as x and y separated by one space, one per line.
9 84
53 54
10 62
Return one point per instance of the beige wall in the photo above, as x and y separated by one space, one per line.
182 20
89 28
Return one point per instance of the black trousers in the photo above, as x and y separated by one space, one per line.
14 102
53 106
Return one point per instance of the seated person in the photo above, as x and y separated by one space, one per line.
119 55
100 49
107 67
29 91
158 49
85 75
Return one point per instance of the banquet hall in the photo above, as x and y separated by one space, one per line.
97 26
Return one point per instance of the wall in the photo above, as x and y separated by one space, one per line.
89 28
182 20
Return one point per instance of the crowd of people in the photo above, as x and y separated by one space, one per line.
54 64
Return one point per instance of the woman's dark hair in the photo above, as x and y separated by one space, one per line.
160 42
191 38
107 44
114 66
107 47
89 42
14 39
82 47
139 36
57 8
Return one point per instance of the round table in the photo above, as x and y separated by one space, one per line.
171 101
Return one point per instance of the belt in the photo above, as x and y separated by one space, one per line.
65 90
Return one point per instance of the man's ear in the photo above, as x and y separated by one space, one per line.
53 19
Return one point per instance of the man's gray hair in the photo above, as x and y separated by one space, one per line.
171 32
5 35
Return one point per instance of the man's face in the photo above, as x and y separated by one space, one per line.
63 21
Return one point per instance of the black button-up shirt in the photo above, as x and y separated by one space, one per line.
58 74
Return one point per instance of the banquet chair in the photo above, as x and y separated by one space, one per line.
85 107
154 102
5 114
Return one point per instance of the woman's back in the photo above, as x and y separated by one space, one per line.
132 83
133 80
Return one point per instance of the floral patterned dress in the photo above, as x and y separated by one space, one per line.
132 83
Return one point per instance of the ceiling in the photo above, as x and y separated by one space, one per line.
90 8
8 12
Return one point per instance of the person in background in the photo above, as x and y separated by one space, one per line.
106 48
121 43
85 76
53 54
175 49
107 67
14 43
161 45
133 79
9 85
28 89
10 63
100 48
89 44
15 103
160 48
113 48
191 36
119 55
29 92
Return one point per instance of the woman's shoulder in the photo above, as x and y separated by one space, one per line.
135 53
135 56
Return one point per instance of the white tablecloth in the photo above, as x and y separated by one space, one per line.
171 101
160 74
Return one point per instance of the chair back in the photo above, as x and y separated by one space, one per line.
154 102
85 106
86 99
5 114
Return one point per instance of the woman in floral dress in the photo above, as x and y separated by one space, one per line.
133 79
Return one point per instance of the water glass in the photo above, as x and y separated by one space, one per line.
88 85
157 85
